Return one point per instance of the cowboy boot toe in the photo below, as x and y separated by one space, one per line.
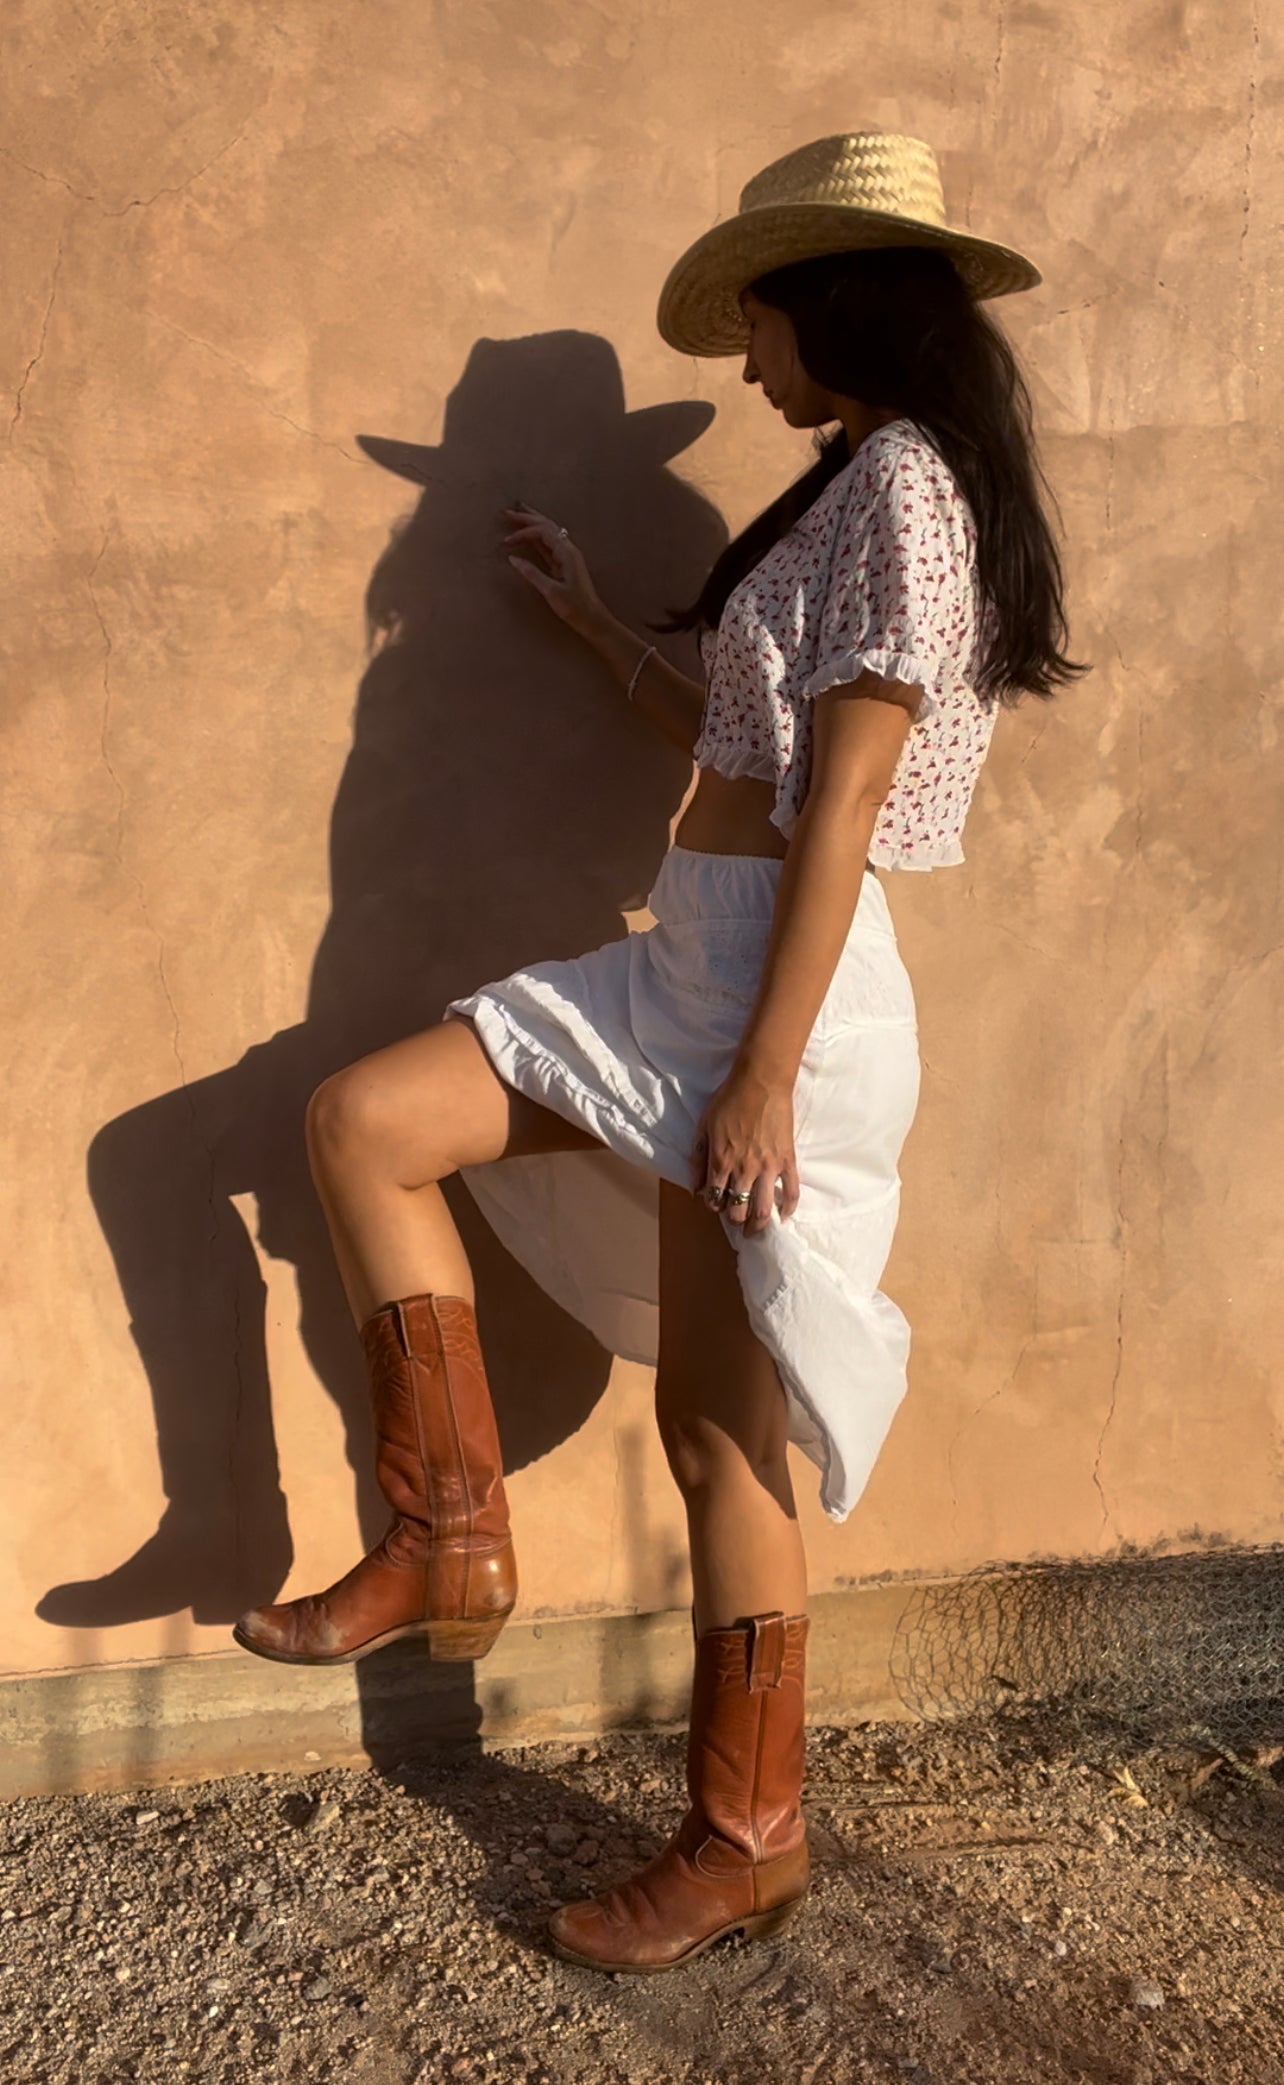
654 1919
582 1928
617 1930
293 1631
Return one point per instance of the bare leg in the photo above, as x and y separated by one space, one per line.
722 1417
380 1137
382 1134
739 1859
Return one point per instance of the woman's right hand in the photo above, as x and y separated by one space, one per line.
554 567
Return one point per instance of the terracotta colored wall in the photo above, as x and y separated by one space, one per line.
240 848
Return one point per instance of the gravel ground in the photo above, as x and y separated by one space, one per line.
995 1902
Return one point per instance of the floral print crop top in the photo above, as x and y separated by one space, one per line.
878 574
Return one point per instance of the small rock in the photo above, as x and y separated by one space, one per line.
1145 1994
326 1815
1059 1946
559 1836
145 1817
587 1852
1104 1833
319 1988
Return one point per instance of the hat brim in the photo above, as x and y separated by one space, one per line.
699 311
653 433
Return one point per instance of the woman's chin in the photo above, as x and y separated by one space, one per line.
793 416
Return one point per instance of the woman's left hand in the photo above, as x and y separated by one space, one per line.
745 1142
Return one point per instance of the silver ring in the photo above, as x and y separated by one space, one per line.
746 1195
715 1196
563 532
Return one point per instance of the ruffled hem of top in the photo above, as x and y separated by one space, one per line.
899 666
944 854
886 854
733 761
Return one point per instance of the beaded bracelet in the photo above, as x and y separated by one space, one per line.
647 654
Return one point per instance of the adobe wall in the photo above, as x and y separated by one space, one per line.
242 846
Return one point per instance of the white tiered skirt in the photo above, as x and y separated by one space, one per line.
631 1042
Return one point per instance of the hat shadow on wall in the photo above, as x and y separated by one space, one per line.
500 803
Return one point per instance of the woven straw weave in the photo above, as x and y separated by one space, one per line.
875 170
866 188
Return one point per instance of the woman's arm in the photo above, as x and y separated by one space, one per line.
746 1134
670 700
859 732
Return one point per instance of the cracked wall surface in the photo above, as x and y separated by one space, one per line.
242 846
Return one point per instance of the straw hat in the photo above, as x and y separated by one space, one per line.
870 188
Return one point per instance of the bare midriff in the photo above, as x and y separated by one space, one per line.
732 815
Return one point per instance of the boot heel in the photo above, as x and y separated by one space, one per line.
765 1923
460 1640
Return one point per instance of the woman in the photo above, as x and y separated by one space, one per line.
756 1051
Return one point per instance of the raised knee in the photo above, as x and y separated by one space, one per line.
347 1116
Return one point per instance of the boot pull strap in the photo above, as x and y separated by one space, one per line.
766 1651
409 1317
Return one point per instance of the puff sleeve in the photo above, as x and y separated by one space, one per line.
901 598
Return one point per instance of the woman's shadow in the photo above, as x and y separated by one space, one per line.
500 803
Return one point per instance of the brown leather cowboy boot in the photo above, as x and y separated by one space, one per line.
445 1569
738 1862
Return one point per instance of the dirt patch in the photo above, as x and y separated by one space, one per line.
995 1903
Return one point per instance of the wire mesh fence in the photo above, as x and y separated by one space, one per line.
1183 1648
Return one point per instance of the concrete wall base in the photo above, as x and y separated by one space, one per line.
192 1719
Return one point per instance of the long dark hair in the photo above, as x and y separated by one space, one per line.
895 327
